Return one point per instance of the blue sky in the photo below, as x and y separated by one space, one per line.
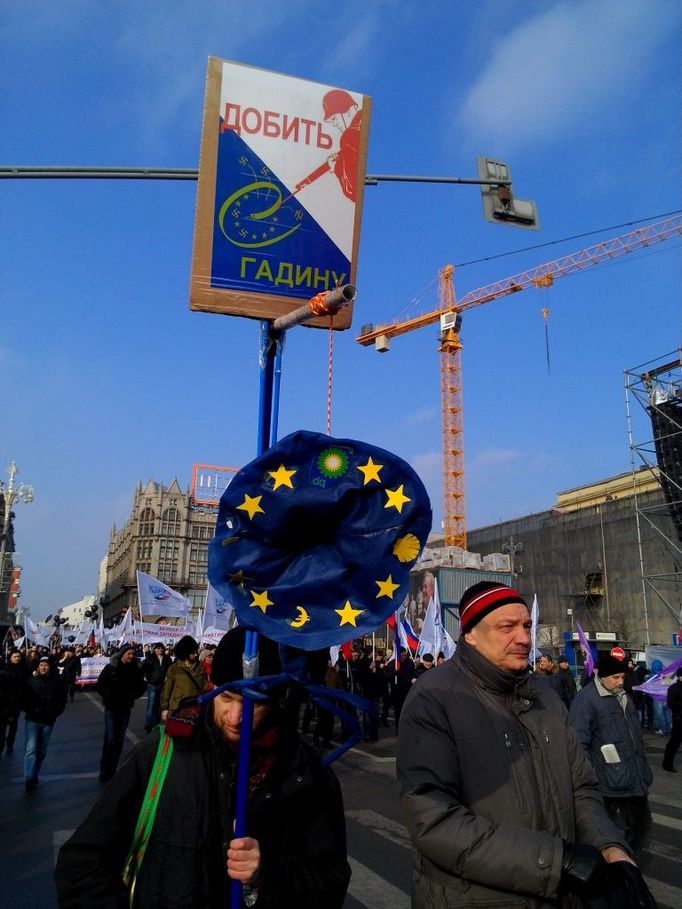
107 378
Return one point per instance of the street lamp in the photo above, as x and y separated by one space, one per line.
11 494
512 547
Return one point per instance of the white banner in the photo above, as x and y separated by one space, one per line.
150 633
90 669
212 636
156 598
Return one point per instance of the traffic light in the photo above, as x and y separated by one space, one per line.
499 203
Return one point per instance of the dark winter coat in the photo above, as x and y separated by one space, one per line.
604 719
492 780
9 696
120 684
154 670
71 668
13 680
295 813
44 698
674 700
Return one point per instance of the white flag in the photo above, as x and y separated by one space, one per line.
434 638
534 614
156 598
124 629
33 633
217 613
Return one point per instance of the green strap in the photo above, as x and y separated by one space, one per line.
145 820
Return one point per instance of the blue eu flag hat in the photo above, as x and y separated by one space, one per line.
316 537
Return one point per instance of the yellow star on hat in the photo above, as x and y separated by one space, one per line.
370 471
348 614
261 600
251 505
282 477
396 498
387 588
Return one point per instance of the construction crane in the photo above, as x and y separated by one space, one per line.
449 314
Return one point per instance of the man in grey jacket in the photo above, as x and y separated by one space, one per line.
608 727
500 800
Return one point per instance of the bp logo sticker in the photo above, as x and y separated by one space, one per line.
332 463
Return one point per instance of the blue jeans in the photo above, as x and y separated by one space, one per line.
115 725
662 717
37 738
153 716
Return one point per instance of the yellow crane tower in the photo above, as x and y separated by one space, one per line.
449 315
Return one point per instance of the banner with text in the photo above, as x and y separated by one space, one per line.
281 182
90 669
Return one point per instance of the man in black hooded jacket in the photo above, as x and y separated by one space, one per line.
294 853
120 683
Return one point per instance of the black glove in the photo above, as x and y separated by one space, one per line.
628 889
584 870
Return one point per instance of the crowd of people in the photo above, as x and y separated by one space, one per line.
39 682
564 801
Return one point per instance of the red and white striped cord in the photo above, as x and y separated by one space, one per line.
330 359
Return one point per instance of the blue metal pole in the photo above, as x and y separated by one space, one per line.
278 381
270 350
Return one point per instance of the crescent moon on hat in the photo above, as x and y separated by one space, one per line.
303 617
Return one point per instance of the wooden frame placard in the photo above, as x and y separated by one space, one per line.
279 198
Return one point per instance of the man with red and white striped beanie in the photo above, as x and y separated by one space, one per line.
504 637
499 797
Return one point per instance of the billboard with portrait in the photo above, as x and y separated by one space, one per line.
421 591
281 180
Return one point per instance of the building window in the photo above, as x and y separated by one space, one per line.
198 552
147 522
144 549
168 571
197 575
202 532
170 522
168 549
197 599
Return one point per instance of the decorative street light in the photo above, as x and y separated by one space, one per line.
512 547
11 494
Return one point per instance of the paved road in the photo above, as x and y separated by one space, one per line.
34 825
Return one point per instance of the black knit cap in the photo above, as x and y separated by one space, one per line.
185 646
481 599
610 665
227 659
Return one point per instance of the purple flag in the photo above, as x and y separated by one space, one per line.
657 686
585 647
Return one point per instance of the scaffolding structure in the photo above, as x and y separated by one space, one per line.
655 389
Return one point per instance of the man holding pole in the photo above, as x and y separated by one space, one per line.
294 850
